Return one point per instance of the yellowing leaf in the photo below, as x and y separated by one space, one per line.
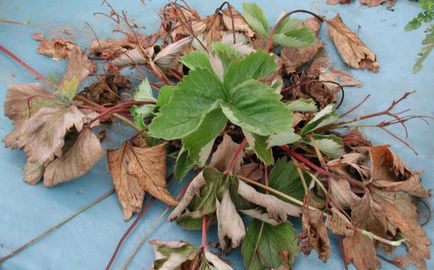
136 170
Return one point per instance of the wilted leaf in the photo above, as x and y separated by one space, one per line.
240 25
342 194
303 105
166 57
276 209
222 155
269 247
314 235
136 170
76 160
330 144
427 47
334 2
173 255
351 48
230 225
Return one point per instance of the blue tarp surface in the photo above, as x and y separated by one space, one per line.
88 241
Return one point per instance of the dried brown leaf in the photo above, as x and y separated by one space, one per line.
314 235
77 160
374 3
58 48
240 25
335 2
360 250
136 170
222 155
351 48
339 224
342 194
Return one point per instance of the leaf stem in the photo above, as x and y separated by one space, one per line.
231 164
55 227
29 68
127 232
14 22
204 231
270 37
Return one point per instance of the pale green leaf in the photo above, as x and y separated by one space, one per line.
197 94
326 116
256 18
259 145
331 145
303 105
144 92
257 65
269 247
282 138
196 143
427 47
256 107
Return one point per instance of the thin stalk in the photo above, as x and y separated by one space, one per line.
29 68
231 164
124 236
152 229
55 227
270 37
204 231
3 20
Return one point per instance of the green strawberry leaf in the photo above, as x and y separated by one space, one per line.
303 105
285 178
331 145
257 108
196 60
326 116
255 17
165 95
226 53
197 94
269 247
183 164
256 65
295 38
199 143
259 145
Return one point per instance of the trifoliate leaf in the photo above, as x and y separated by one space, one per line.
269 247
200 142
331 145
255 17
197 94
326 116
303 105
285 178
256 65
295 38
257 108
165 95
259 145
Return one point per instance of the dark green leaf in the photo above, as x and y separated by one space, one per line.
267 246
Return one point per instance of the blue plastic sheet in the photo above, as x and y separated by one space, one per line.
88 241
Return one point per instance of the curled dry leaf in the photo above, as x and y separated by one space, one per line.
351 48
252 170
222 155
79 66
231 229
259 214
174 255
58 48
136 170
314 235
276 209
215 263
85 151
339 224
374 3
342 194
193 189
